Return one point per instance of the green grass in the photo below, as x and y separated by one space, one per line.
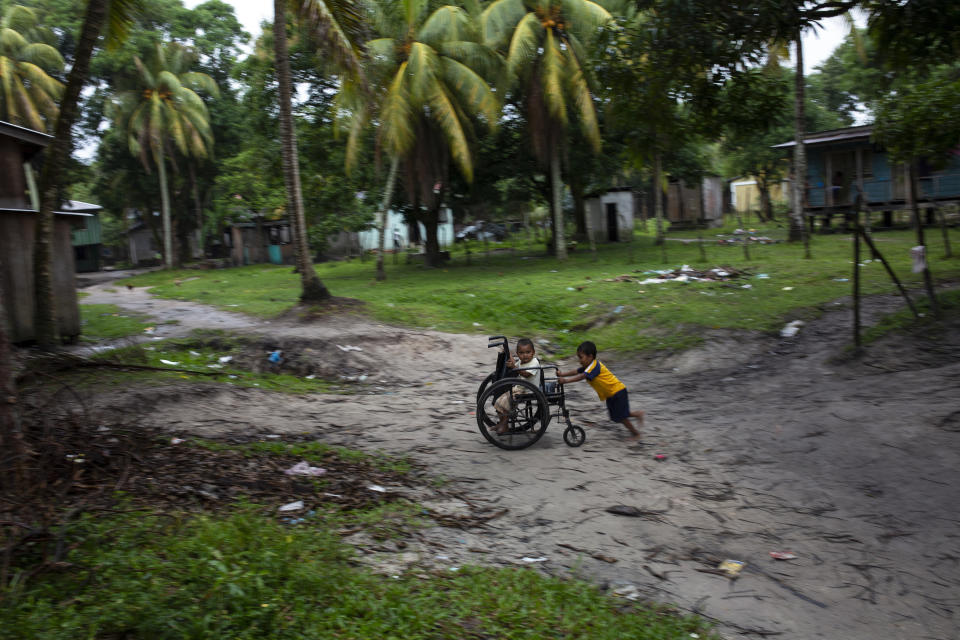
518 290
244 575
191 357
904 320
107 321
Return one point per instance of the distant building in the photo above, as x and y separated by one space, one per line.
745 194
697 205
87 236
259 242
843 163
611 214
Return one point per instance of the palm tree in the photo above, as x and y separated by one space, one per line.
544 42
28 92
163 112
431 68
338 25
118 15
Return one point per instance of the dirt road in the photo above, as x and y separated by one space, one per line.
770 445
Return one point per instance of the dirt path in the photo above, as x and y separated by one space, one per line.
770 445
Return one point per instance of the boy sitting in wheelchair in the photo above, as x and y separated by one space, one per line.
526 352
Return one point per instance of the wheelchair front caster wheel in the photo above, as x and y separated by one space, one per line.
574 436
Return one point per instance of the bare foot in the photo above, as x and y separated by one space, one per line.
634 438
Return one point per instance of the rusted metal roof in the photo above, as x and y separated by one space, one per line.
834 135
35 140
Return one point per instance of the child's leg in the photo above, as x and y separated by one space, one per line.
633 430
502 405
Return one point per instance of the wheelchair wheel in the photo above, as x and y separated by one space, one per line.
483 386
574 436
528 418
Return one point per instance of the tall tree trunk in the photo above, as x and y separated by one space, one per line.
560 244
55 159
382 216
198 250
312 288
798 228
658 197
766 207
431 243
168 259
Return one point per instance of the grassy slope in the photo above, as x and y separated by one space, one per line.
519 291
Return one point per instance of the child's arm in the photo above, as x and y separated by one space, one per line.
573 377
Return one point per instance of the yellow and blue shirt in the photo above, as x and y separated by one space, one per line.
603 382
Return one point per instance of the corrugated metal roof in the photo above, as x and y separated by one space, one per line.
59 213
76 206
834 135
23 134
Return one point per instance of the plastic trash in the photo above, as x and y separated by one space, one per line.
630 592
377 488
787 288
224 359
783 555
348 347
919 256
176 440
292 506
660 457
791 329
732 567
303 468
618 308
275 356
170 362
529 560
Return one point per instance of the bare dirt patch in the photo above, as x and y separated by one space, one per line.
753 444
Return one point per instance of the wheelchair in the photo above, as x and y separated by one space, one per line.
532 405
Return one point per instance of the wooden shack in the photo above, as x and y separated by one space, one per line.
19 201
842 163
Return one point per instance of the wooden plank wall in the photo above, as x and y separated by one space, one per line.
16 268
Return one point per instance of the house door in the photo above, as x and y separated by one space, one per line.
843 167
613 229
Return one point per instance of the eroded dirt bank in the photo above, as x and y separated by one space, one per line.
771 445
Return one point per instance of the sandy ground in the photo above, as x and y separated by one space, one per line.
770 444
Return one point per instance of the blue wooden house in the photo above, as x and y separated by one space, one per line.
844 162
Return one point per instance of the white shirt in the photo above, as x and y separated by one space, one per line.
537 377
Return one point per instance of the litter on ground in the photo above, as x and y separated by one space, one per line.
304 469
791 329
685 274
